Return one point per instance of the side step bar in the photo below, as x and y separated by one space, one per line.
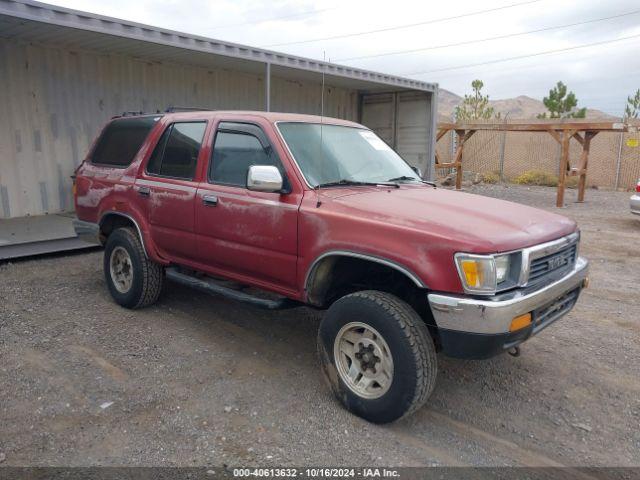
210 286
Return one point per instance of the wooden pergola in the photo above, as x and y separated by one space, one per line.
583 132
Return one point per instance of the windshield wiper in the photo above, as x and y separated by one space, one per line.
346 182
404 177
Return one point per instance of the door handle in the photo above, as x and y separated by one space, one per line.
210 200
144 191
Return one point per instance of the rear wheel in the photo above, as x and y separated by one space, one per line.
377 355
134 281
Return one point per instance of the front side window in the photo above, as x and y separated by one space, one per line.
121 140
176 154
335 153
234 153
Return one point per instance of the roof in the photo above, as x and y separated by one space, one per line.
36 21
238 115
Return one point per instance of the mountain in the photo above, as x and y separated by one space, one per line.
519 108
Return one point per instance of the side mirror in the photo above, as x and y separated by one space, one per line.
417 170
264 178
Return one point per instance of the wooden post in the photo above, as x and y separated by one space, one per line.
564 163
584 160
458 160
441 133
463 136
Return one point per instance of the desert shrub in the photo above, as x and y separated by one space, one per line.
571 182
491 177
536 177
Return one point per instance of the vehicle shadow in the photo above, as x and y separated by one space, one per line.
296 330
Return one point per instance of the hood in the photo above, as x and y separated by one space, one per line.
482 224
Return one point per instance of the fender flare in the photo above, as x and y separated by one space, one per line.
133 220
362 256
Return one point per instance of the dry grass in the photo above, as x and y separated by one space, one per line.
491 177
536 177
543 179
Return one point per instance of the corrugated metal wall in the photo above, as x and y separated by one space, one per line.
404 121
55 100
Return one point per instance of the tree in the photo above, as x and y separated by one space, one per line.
632 110
475 106
562 104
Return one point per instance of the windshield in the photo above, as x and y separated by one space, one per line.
347 154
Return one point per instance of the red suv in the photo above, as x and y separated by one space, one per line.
321 212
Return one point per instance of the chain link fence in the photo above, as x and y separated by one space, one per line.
614 158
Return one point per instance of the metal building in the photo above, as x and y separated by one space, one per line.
64 73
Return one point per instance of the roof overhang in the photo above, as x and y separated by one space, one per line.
48 24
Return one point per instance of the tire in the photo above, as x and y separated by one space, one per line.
143 286
375 321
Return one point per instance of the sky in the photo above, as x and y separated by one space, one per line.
602 66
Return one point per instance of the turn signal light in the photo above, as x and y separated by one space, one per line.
520 322
472 273
638 187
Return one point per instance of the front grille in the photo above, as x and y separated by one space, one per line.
549 313
556 262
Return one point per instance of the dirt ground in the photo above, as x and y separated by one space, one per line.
200 380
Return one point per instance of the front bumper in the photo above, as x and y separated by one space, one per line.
634 202
472 327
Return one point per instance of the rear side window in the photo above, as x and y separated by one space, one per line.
234 153
121 140
176 154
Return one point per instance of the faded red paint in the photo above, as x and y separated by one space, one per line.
271 240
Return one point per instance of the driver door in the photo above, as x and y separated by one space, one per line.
245 234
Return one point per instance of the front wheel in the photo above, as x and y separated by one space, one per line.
377 356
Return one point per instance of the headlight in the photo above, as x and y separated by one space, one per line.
484 274
502 268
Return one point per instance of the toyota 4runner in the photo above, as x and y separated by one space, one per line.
281 210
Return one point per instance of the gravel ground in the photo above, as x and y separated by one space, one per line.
199 380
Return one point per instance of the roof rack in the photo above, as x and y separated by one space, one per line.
173 109
132 113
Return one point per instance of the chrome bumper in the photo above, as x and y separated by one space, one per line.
87 231
494 314
635 204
